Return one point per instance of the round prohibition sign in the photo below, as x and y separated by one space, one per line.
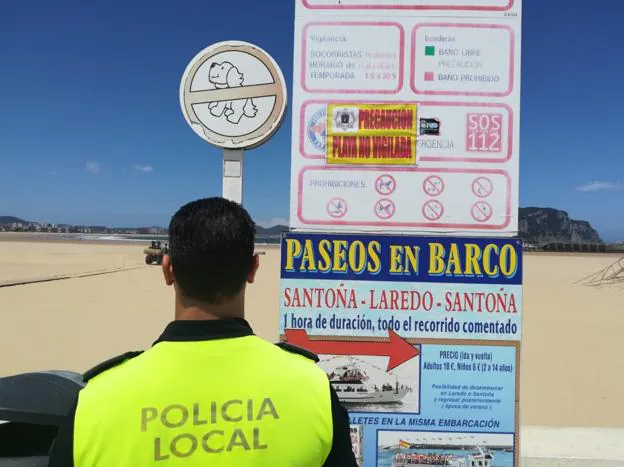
385 184
433 210
218 78
337 208
482 187
385 208
481 211
433 185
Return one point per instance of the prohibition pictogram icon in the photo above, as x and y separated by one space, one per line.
433 185
481 211
482 187
385 208
337 208
385 184
433 210
228 67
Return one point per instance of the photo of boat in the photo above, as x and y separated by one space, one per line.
481 458
353 386
444 449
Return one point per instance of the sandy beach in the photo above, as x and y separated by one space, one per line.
572 374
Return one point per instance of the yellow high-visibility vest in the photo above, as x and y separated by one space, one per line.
225 402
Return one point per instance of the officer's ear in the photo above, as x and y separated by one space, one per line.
167 270
255 264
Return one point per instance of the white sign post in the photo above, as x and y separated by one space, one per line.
233 174
233 95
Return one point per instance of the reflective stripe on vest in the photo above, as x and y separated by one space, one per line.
230 402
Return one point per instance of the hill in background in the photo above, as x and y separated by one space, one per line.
542 225
4 220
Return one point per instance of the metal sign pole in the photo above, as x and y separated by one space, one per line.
233 175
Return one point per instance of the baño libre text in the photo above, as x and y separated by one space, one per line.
341 297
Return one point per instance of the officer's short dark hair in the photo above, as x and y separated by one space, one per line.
211 246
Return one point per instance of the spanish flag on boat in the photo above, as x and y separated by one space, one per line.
404 444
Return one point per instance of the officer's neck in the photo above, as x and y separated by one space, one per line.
191 310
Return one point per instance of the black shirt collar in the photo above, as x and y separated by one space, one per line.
188 331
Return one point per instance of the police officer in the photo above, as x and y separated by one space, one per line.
208 392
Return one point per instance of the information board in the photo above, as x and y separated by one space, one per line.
459 62
420 339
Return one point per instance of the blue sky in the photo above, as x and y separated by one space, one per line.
91 129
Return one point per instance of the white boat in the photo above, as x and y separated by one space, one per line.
353 386
482 458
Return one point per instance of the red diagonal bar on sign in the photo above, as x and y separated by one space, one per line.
242 92
396 348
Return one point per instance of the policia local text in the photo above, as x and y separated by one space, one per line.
245 437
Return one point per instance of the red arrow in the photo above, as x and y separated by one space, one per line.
397 348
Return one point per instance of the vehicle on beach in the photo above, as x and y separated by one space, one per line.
353 386
481 458
155 253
